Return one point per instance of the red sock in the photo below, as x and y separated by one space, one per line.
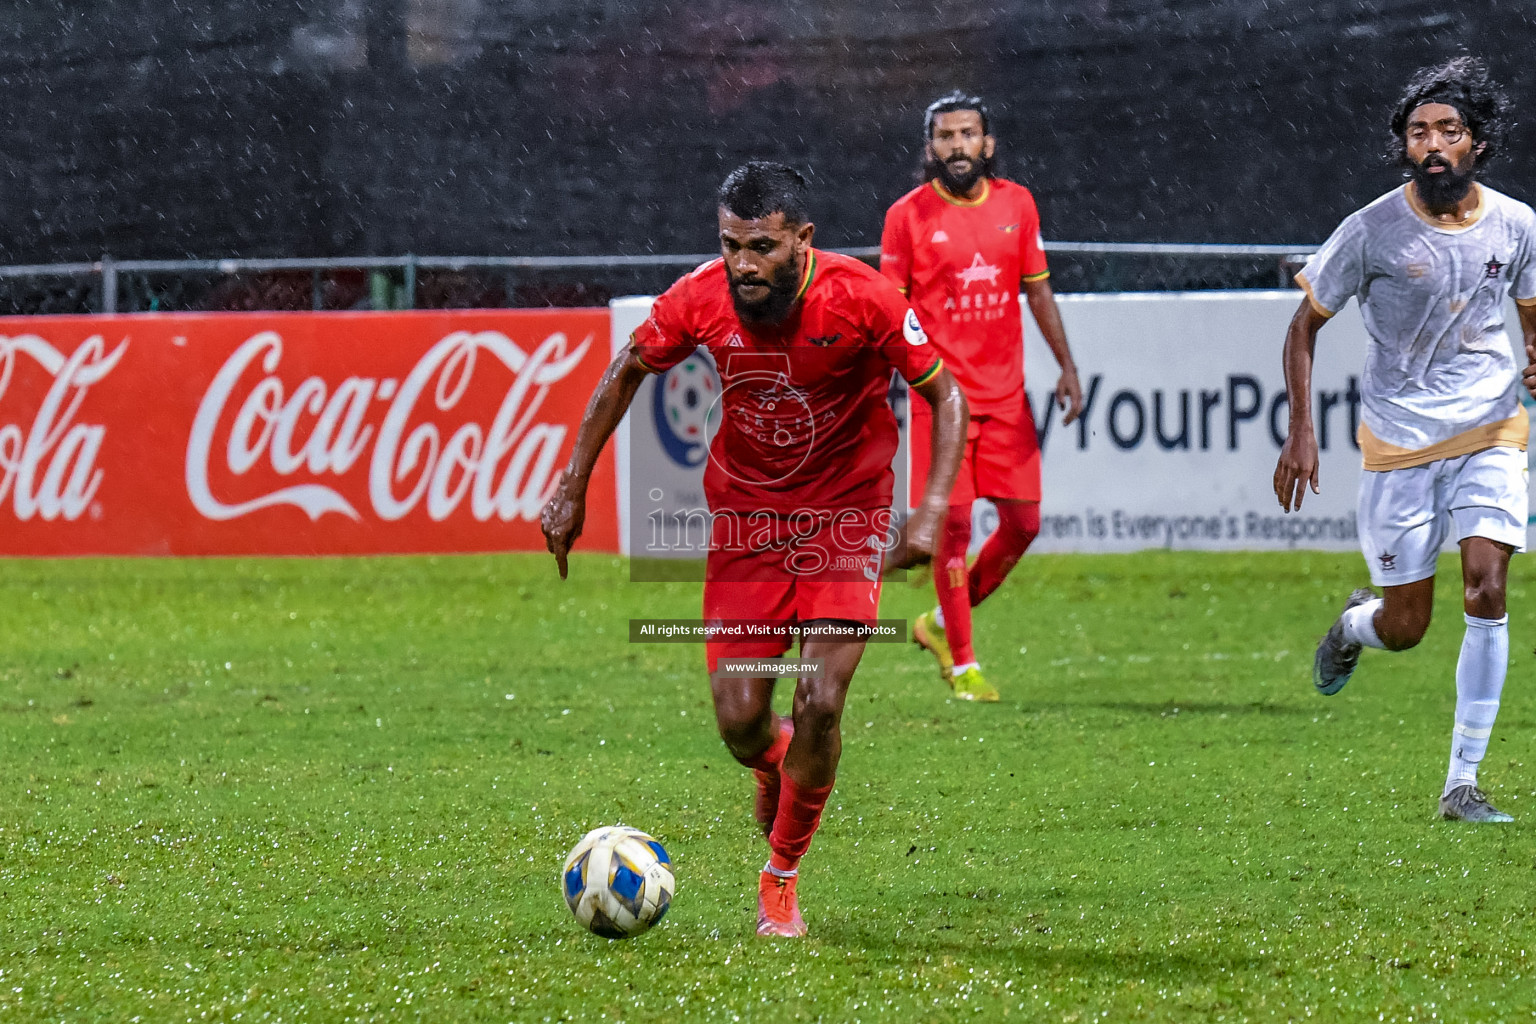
771 756
799 813
950 581
1018 524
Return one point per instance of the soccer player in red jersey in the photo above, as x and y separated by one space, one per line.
959 245
799 482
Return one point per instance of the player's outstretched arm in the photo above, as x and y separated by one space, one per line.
1297 467
1528 328
950 417
1042 306
566 511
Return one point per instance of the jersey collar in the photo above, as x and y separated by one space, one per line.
954 200
810 272
1441 225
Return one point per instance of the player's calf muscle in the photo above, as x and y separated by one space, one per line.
1402 630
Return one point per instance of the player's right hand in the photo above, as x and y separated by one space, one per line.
1296 469
563 518
917 538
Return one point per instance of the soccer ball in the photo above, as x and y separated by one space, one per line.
618 881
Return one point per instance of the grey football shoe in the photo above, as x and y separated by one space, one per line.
1336 658
1467 803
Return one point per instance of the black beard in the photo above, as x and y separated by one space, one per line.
1442 190
773 307
959 184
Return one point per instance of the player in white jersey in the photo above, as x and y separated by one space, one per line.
1442 431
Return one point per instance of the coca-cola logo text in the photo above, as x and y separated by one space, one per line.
48 469
504 467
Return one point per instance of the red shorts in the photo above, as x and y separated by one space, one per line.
1002 457
787 572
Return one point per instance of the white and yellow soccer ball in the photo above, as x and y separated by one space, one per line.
618 881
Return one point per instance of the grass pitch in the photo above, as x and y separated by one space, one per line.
333 790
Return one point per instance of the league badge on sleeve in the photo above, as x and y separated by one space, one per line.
912 330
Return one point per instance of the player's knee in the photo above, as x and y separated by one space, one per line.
741 722
1021 521
1483 596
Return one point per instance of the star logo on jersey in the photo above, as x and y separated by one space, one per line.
1388 561
825 340
979 270
938 236
1493 266
1007 229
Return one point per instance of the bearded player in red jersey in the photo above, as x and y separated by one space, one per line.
959 245
799 483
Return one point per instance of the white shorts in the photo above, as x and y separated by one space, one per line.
1405 515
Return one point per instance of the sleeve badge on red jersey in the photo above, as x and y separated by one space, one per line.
913 331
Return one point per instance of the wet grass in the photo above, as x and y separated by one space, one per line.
335 790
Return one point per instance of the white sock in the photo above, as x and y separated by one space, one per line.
1480 675
938 616
1360 625
779 874
966 667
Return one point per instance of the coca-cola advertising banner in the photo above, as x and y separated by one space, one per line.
294 433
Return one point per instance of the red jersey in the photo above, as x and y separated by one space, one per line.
960 261
803 422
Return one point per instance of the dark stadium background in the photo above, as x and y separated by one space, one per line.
320 128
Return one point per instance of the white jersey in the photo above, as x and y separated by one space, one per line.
1440 373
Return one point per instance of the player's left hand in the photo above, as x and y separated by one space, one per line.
1069 396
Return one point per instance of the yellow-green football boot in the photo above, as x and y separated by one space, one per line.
928 635
970 684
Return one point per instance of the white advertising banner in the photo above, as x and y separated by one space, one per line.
1184 415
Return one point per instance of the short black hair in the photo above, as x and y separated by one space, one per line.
951 102
1462 83
761 188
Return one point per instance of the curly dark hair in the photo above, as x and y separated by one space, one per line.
1463 83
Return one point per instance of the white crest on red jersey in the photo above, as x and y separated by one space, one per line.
938 236
913 330
979 270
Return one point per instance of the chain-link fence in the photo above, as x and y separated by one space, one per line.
408 282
